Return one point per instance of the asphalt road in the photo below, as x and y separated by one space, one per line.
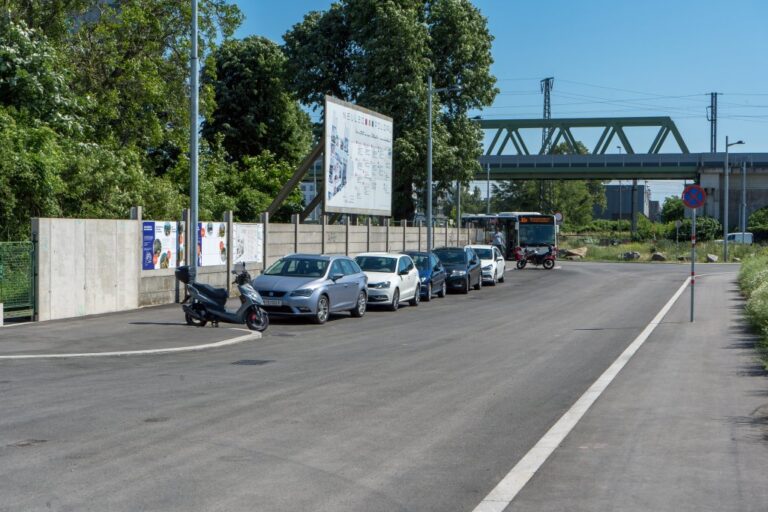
424 409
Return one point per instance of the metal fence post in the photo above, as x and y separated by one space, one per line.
295 219
404 223
230 236
265 240
346 235
386 249
368 234
323 223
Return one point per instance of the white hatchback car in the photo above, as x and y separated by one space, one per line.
491 262
392 278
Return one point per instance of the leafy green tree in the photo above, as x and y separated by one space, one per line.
759 218
672 209
378 55
132 59
472 201
254 111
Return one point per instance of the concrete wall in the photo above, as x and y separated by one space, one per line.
757 193
86 267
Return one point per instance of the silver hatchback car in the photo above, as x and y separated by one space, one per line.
313 285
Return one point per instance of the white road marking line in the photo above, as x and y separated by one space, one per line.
502 495
191 348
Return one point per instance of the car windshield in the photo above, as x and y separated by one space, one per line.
376 263
421 261
451 257
297 267
485 254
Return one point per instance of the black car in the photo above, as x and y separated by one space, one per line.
431 274
462 267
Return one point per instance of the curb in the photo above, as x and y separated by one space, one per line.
191 348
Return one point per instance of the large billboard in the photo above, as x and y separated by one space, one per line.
358 160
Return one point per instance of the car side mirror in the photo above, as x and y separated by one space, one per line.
473 261
336 277
437 268
403 272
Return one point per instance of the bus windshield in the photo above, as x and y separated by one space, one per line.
533 234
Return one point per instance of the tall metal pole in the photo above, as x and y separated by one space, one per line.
725 203
633 221
458 212
712 118
193 149
743 222
488 189
429 164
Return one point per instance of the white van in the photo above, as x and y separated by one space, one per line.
739 238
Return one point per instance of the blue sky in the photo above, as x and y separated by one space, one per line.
613 58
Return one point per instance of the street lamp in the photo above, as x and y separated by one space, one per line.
431 91
619 148
727 191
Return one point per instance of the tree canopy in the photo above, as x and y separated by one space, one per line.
379 55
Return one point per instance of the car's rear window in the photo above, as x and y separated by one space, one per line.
297 267
377 263
485 254
451 256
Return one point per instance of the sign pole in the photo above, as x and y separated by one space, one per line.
693 197
693 260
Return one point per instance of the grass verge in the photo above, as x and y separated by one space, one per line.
672 251
753 281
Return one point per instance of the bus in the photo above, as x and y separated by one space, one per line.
531 230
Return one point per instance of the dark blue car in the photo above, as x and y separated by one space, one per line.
431 273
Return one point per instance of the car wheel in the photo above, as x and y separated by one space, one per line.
501 277
466 286
395 300
428 296
443 290
479 282
362 302
416 297
494 279
323 310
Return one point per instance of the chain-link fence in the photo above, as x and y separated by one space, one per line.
17 273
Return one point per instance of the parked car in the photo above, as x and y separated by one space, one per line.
491 262
462 267
431 274
392 278
313 285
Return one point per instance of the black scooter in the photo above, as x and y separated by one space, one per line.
206 303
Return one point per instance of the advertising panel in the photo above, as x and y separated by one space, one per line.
159 245
358 160
248 243
212 244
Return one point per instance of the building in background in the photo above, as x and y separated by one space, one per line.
619 202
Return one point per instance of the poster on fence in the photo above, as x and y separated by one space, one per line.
248 243
158 248
212 244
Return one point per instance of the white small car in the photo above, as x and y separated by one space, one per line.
392 278
491 262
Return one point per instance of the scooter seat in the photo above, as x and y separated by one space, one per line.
217 294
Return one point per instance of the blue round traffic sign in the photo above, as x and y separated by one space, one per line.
694 196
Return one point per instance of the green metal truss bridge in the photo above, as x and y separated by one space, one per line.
508 157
